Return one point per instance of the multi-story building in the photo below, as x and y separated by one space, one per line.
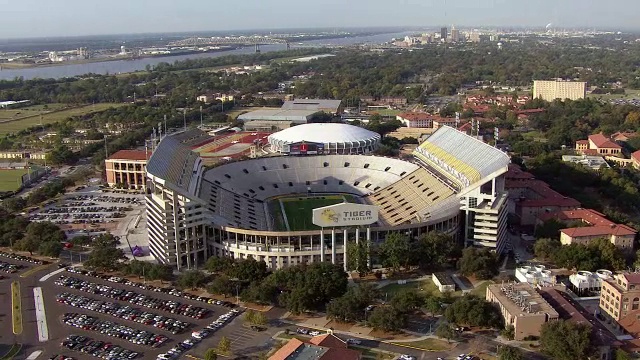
209 98
550 90
455 34
34 155
127 169
532 197
598 144
599 227
620 295
521 307
416 119
443 33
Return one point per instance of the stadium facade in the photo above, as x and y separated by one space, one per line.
455 185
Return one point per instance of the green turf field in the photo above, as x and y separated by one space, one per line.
299 210
10 180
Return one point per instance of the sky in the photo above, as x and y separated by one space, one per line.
46 18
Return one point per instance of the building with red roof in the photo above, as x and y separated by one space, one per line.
417 119
597 227
532 197
322 347
127 169
635 159
598 144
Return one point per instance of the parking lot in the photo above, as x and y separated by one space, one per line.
136 318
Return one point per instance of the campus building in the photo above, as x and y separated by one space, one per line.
594 225
330 138
127 169
598 144
416 119
620 295
521 307
321 347
550 90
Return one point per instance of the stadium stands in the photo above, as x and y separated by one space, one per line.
409 199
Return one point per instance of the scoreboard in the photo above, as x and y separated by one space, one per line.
304 148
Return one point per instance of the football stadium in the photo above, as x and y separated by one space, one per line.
263 207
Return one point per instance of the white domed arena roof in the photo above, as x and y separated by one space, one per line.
324 133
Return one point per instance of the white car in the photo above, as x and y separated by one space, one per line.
314 333
254 134
406 357
354 341
235 141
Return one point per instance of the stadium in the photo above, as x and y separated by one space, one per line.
262 207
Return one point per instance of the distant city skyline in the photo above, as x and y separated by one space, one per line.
37 18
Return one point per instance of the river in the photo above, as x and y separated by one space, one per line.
126 66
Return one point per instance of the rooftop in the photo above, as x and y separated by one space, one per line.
545 196
325 133
462 155
415 116
444 278
278 114
602 141
516 296
636 156
323 347
573 312
632 278
314 105
140 155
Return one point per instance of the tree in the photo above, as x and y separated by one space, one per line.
358 257
249 316
473 311
50 248
14 204
260 319
621 355
446 331
509 332
433 304
221 285
507 352
105 257
435 250
224 346
192 279
564 340
407 301
481 263
549 229
351 306
219 264
545 248
394 251
210 354
387 318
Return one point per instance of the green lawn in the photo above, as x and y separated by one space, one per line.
31 118
21 112
426 287
299 210
11 180
629 94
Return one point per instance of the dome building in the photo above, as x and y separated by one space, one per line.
325 138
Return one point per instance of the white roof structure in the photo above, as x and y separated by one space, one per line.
324 133
464 157
326 105
299 116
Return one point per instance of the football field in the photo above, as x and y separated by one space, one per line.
296 211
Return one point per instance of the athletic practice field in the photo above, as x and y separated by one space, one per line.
11 180
294 213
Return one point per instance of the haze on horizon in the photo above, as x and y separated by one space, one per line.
38 18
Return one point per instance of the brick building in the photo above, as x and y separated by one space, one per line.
127 168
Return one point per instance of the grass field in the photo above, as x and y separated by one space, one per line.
17 113
16 308
299 210
11 180
629 94
29 118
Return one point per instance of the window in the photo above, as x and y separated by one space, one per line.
402 173
636 304
308 183
264 168
245 171
387 168
356 183
324 182
340 182
290 183
227 176
366 166
275 186
261 187
285 166
346 164
325 164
